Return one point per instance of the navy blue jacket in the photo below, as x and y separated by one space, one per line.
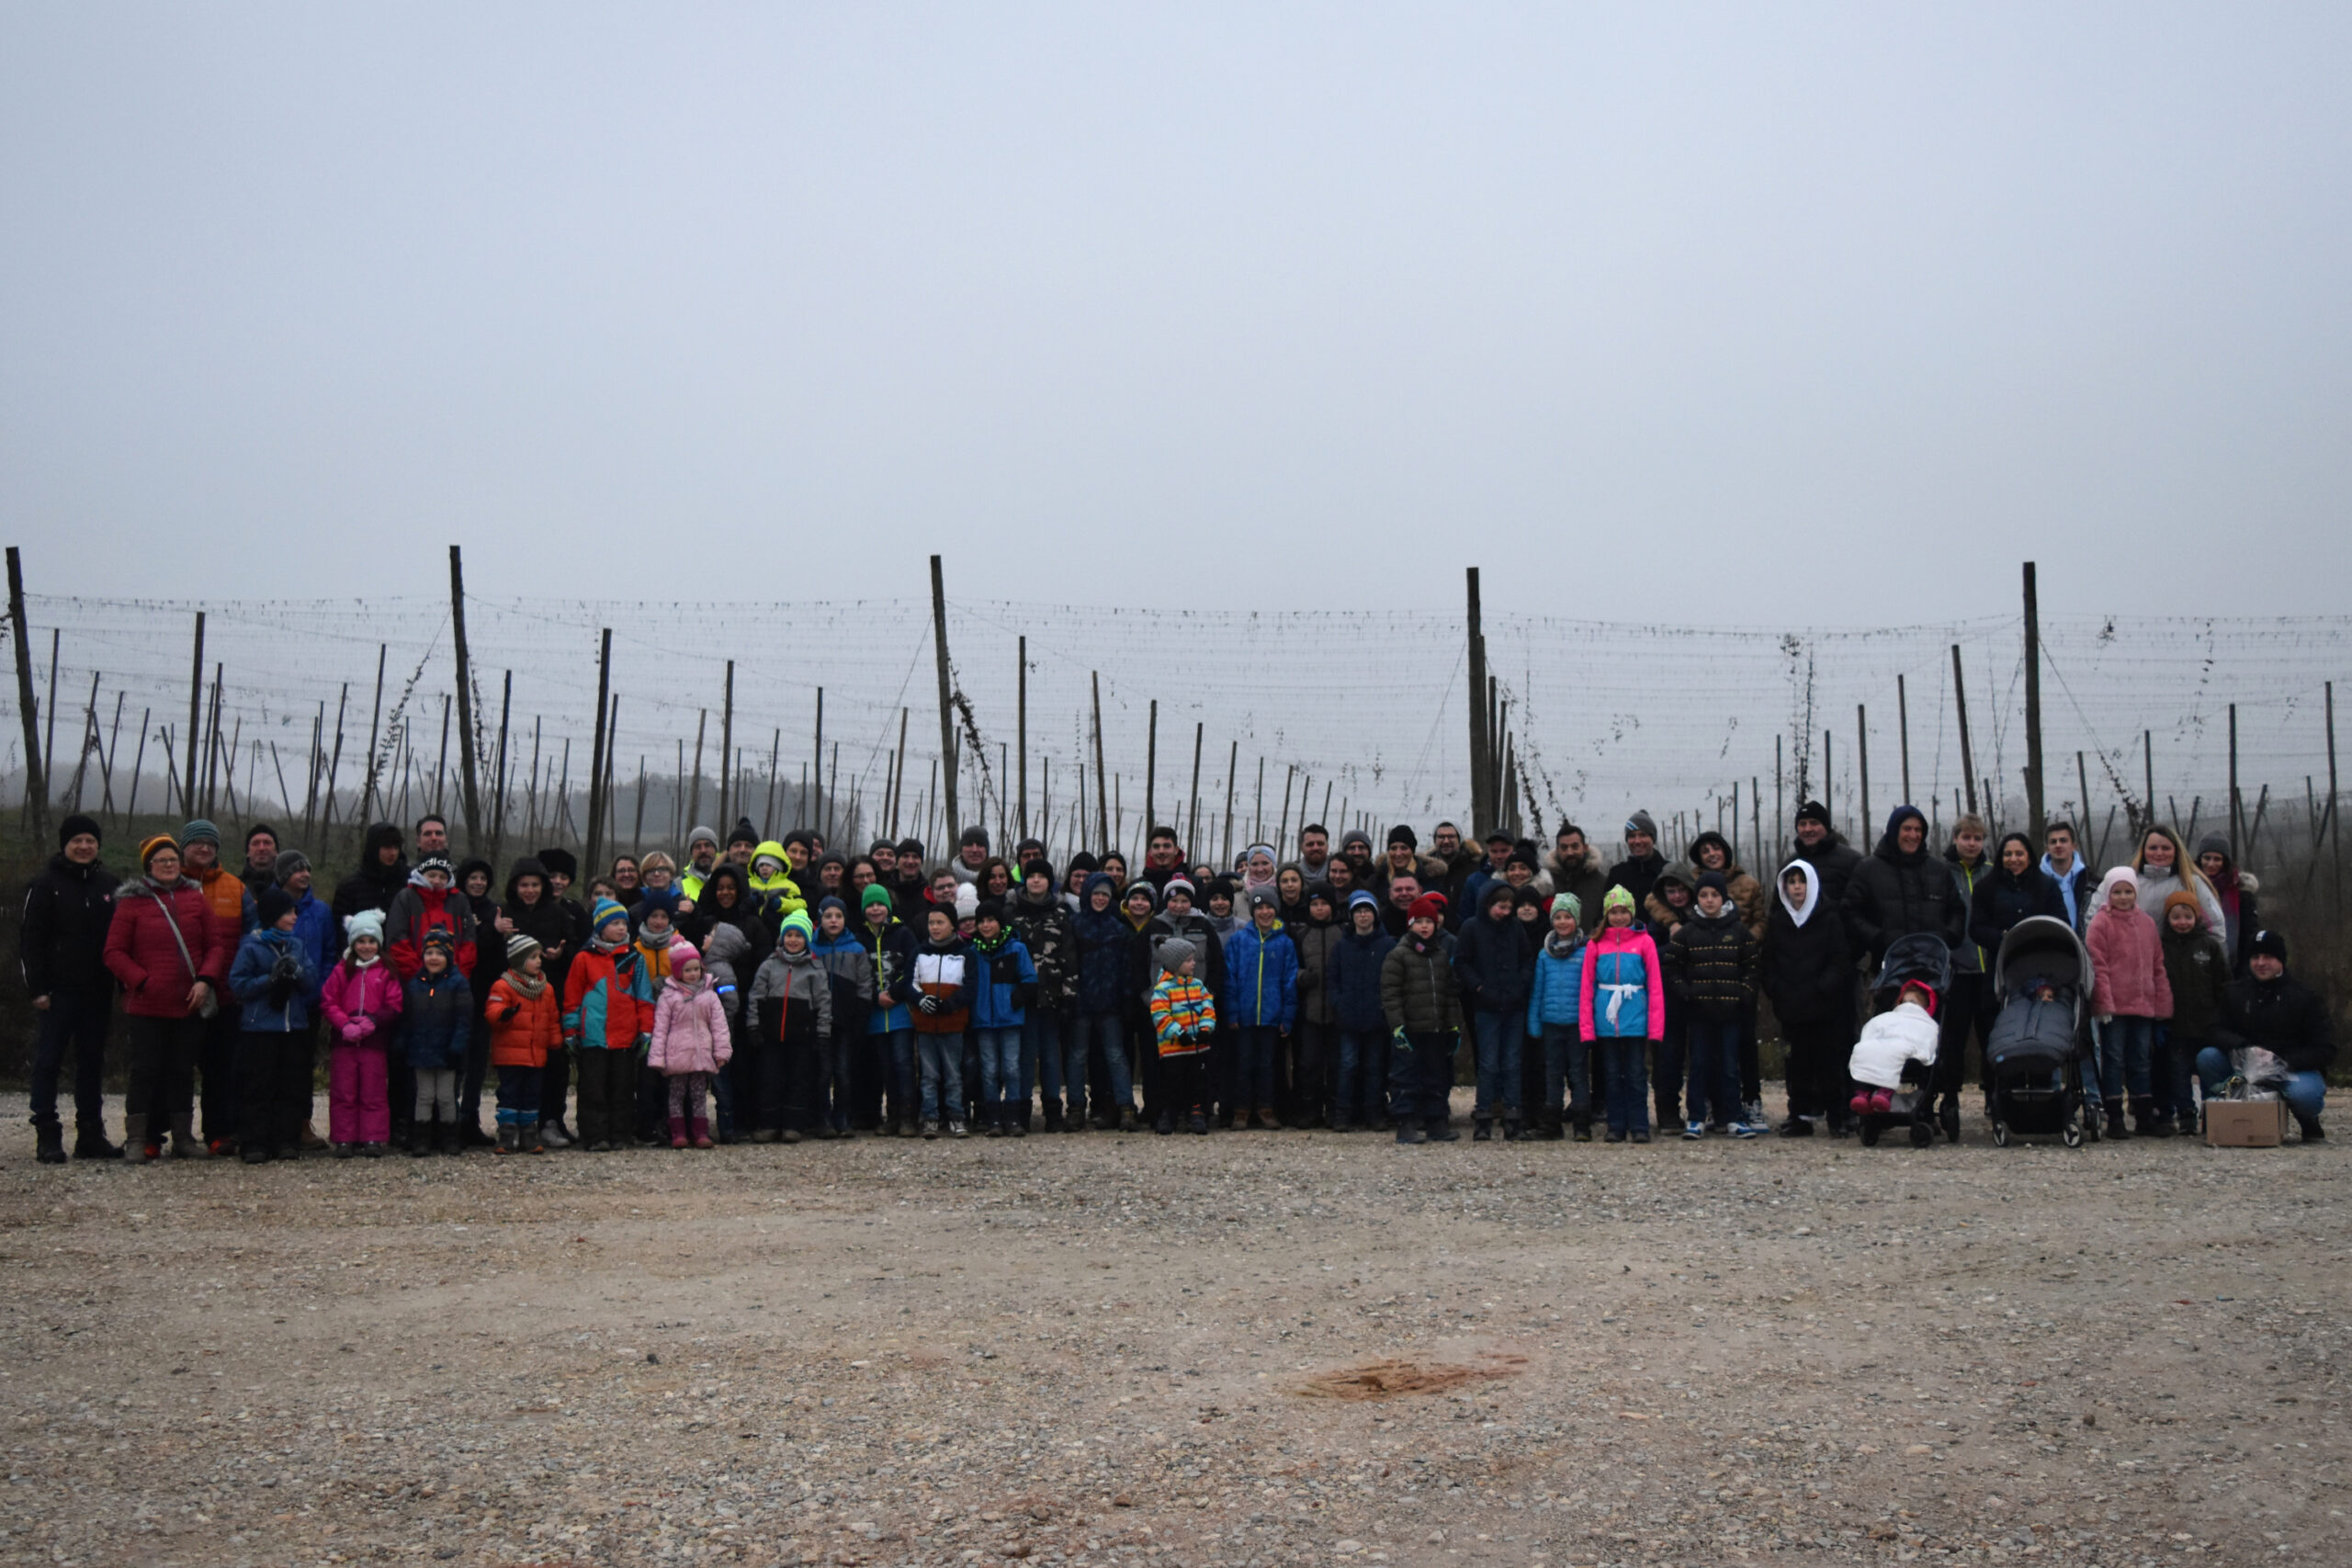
436 1021
1352 981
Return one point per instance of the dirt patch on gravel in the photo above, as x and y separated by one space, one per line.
1392 1378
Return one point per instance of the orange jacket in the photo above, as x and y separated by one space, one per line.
524 1030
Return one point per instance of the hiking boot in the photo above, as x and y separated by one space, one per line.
2143 1114
1584 1132
1052 1119
1511 1132
790 1135
1200 1123
2312 1132
1270 1121
930 1129
312 1142
452 1140
90 1143
49 1141
993 1130
2160 1127
1165 1126
344 1151
1408 1133
1126 1118
1019 1127
527 1139
1482 1130
184 1143
373 1151
1440 1131
2115 1128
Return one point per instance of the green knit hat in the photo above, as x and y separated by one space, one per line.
875 894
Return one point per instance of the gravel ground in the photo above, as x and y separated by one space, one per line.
1109 1350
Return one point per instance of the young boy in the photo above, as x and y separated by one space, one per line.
2197 972
437 1027
2132 994
1907 1032
1360 1095
1668 906
607 1013
1043 923
1711 960
1003 981
843 957
275 979
526 1025
942 991
1313 1038
1495 964
890 950
1552 1014
792 1012
1097 1046
1261 988
1183 1018
1422 1005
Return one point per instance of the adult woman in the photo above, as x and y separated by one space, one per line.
165 949
2235 890
2161 867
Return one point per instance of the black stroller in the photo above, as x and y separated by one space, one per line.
1920 958
2034 1052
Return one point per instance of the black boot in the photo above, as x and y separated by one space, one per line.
90 1143
2143 1115
1440 1131
49 1142
2115 1126
450 1143
2312 1132
420 1139
1482 1129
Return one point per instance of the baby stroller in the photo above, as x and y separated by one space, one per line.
2034 1052
1920 959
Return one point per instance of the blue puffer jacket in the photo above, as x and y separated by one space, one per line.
1559 982
1354 981
256 960
1260 978
1105 947
318 932
436 1021
1004 983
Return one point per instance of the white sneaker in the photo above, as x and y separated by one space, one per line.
1694 1130
1752 1113
553 1137
1740 1130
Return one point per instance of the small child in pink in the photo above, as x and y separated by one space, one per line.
691 1044
361 998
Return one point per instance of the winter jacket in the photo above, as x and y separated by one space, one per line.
845 963
1315 942
726 959
607 1001
1807 965
1104 939
1746 894
1584 879
361 1004
1556 997
1968 956
2002 901
372 887
1637 877
557 925
272 1004
890 954
1623 991
2128 959
944 971
774 897
1418 993
1710 962
525 1030
1184 1015
1208 946
436 1021
2072 888
690 1032
318 932
2197 972
1494 964
1050 936
232 905
1261 978
792 999
1835 861
143 952
1002 981
1352 980
1896 895
1904 1033
490 945
2284 1016
419 910
61 938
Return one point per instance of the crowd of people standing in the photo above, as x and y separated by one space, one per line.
776 990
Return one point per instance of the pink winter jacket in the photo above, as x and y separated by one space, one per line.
689 1031
353 997
2127 965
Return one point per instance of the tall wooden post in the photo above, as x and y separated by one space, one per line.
947 700
2148 782
49 743
195 719
1192 814
2237 805
899 784
596 756
36 785
1780 802
2033 775
469 794
499 773
812 815
693 789
1151 773
1232 766
1902 736
2335 827
2083 778
1959 701
1481 812
727 759
1021 735
1862 756
1102 784
1829 778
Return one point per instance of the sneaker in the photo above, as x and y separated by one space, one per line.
555 1136
1797 1127
958 1130
1741 1129
1641 1135
1610 1136
930 1129
1752 1113
1693 1131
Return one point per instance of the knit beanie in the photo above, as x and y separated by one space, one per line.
700 836
367 923
76 825
1362 896
1641 822
200 831
1813 811
680 952
2273 942
520 946
1403 834
1427 906
1616 899
1175 953
742 833
1569 902
967 901
288 862
1176 881
2183 899
147 847
272 905
605 912
875 894
1715 879
799 921
1038 865
830 902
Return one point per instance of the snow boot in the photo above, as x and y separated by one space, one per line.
677 1132
184 1140
1440 1131
506 1138
48 1139
90 1143
1052 1118
451 1140
1482 1130
2115 1125
1126 1118
2143 1115
1511 1132
420 1138
698 1133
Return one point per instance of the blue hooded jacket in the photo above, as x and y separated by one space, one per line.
1003 983
1105 947
436 1021
1260 978
249 982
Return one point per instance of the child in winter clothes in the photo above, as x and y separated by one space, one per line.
1262 984
889 949
1712 960
1104 939
1423 1001
1183 1018
1666 906
845 963
526 1027
274 979
2132 995
436 1025
1553 1000
2197 971
725 952
1002 983
607 1015
691 1044
656 928
1620 1004
944 973
1351 979
361 999
1907 1032
792 1013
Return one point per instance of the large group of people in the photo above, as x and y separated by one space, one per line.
775 991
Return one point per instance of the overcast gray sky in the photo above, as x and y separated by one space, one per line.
1658 311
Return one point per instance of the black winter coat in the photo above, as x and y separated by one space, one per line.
1105 944
1493 964
1050 934
1315 942
2002 901
2284 1016
62 941
1835 861
2199 973
1896 895
1808 970
372 887
1711 963
1352 980
1637 877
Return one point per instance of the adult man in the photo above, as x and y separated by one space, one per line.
971 853
1404 858
431 836
1470 888
2060 864
216 1054
62 942
1356 848
1404 892
1574 867
702 859
1638 871
2282 1016
1822 848
1902 889
1968 1008
1162 860
1315 853
261 859
741 840
1461 862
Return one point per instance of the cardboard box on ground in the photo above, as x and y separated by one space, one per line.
2245 1123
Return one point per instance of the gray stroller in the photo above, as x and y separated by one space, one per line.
2042 979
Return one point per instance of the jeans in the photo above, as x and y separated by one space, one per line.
273 1089
2126 1057
518 1096
77 1019
2175 1056
2305 1093
1715 1070
1501 1044
897 1046
1362 1091
1628 1075
1051 1046
943 1075
1105 1031
1255 1045
1000 1052
1563 1067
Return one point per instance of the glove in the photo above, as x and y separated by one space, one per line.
1397 1039
281 990
927 1004
1025 994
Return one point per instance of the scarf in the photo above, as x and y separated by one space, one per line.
525 984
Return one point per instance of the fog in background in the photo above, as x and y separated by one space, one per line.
1793 314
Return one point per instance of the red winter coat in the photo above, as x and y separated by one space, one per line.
142 955
2127 961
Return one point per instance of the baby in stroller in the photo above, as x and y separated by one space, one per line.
1904 1033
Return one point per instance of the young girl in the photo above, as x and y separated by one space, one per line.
361 998
526 1028
1906 1034
691 1044
2197 971
436 1025
2130 991
1182 1020
1551 1017
1620 1004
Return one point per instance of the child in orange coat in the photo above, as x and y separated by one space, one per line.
526 1028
